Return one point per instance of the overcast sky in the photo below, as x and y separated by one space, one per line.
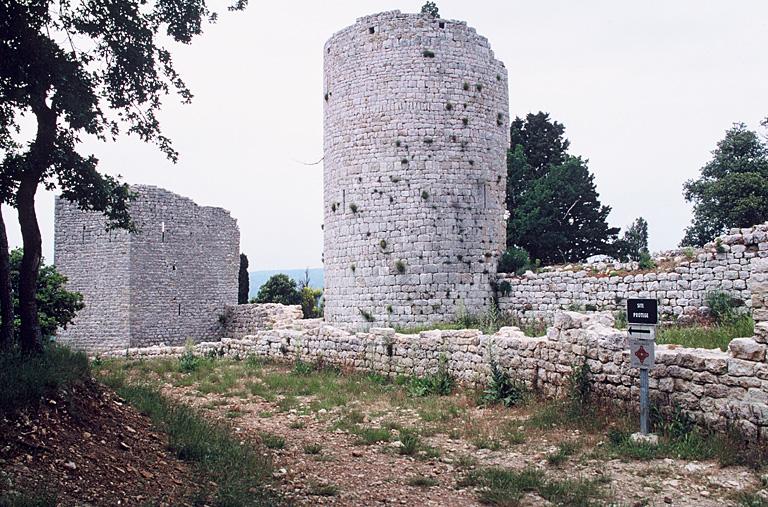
644 88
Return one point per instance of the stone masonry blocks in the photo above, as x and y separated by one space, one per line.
166 284
415 135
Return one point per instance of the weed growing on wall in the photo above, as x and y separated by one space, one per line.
503 389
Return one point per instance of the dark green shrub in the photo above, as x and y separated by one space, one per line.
722 306
514 260
580 388
188 361
646 261
280 288
400 267
502 389
428 54
504 288
367 316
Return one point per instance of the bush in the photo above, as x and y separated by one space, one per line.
646 261
25 379
56 306
722 306
188 361
580 388
502 389
440 383
281 289
514 260
310 302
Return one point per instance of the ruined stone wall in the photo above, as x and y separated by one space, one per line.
97 264
681 283
718 389
415 132
243 320
166 284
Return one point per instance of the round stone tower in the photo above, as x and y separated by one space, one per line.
416 132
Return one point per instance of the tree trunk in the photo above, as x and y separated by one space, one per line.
29 332
6 299
40 157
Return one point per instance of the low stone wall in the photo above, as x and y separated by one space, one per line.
718 389
243 320
681 283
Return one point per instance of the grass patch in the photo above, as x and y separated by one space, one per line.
16 499
25 379
497 486
272 441
370 436
312 448
422 482
239 471
317 489
716 336
564 451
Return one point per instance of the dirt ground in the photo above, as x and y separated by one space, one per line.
88 447
323 454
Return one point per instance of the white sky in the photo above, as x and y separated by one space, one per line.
644 88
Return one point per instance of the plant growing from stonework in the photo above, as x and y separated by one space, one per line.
80 69
400 266
424 195
367 316
502 388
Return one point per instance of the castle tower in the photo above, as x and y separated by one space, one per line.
415 138
168 283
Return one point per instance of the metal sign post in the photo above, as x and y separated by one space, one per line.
642 316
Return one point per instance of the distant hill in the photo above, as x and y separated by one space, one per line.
258 278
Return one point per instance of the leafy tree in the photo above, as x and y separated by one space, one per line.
281 289
634 241
65 63
554 210
732 190
56 306
243 281
431 9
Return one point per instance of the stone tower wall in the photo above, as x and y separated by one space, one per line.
97 264
168 283
416 132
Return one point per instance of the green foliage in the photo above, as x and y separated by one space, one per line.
366 315
353 207
424 195
56 306
502 389
722 306
634 242
312 449
410 442
504 288
440 383
31 499
400 266
505 487
188 361
243 280
310 302
281 289
646 261
431 9
272 441
620 319
707 337
555 214
580 388
514 260
732 190
689 253
428 54
25 379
